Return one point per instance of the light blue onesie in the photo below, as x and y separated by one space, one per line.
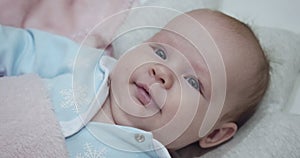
77 79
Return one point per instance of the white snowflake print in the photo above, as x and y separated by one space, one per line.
90 152
69 100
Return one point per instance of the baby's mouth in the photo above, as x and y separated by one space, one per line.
142 94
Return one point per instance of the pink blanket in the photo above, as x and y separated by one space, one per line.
28 127
70 18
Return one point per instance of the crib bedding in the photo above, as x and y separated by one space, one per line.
28 126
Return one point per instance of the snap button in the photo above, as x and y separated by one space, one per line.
139 138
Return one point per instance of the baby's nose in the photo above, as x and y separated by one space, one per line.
163 75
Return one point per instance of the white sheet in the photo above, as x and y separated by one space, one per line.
283 14
294 100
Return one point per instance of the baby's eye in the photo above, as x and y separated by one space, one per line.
161 53
194 82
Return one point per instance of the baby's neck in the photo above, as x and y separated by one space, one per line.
104 115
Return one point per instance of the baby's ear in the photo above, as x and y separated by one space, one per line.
219 135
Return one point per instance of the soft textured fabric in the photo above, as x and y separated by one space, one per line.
28 127
77 82
71 18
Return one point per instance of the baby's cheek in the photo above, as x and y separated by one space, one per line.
173 102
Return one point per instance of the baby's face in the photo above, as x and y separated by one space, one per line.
164 85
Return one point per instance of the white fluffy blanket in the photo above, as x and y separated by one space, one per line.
28 127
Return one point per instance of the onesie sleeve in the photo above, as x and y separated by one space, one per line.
13 45
33 51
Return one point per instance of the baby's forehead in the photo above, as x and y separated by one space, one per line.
172 39
180 44
163 36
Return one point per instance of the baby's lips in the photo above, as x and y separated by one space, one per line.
142 96
159 94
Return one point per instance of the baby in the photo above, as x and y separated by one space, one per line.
161 61
197 80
